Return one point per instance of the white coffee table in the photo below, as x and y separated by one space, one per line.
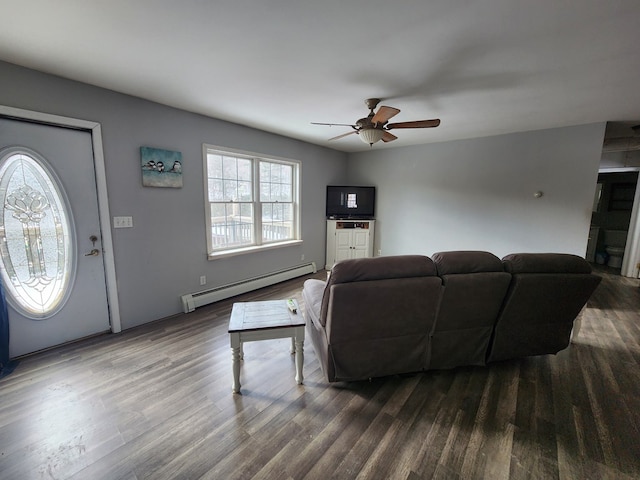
253 321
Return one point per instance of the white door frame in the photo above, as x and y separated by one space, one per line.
631 256
103 201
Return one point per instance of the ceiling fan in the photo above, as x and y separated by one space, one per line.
374 127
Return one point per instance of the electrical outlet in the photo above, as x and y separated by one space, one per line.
379 252
203 280
302 257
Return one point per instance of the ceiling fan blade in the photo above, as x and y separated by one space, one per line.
388 137
334 124
417 124
343 135
384 113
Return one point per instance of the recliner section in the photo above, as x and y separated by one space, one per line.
475 285
546 294
375 316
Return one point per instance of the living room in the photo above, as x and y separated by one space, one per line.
465 193
520 178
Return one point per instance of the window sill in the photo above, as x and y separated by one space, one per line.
252 249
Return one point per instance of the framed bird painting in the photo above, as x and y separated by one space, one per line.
161 168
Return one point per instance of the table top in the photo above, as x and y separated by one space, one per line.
247 316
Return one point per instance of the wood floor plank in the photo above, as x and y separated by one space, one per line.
155 402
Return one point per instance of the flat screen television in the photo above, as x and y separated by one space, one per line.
345 201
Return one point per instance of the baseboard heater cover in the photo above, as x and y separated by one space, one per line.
191 301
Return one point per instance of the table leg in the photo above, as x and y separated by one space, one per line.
299 346
236 355
293 345
236 369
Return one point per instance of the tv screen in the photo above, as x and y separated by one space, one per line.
350 201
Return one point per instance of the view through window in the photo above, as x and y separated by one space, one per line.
252 200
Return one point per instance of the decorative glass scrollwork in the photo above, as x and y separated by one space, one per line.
36 235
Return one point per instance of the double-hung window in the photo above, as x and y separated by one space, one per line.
252 201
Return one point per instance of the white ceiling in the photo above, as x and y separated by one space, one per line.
484 67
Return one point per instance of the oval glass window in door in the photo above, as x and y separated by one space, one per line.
37 239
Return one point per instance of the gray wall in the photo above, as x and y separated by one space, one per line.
478 194
164 255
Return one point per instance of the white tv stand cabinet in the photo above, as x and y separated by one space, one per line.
349 239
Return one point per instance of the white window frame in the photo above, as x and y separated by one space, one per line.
258 243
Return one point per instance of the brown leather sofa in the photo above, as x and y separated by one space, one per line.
391 315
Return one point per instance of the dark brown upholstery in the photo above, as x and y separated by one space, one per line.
546 294
475 284
375 316
391 315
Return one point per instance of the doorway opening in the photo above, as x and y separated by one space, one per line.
611 219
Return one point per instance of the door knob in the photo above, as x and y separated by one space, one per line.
93 253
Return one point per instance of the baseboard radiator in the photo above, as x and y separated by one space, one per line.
191 301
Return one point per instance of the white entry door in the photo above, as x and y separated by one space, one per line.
50 240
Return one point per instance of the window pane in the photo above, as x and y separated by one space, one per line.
265 172
245 192
267 212
286 193
216 189
214 166
231 225
276 176
230 190
277 222
287 174
229 168
240 224
218 225
287 213
218 211
244 169
265 192
275 192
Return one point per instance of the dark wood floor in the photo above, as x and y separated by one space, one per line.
155 402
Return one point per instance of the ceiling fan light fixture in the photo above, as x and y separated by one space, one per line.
371 135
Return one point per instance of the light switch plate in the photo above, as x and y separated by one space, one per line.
122 222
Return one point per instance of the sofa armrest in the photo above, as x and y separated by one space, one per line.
312 292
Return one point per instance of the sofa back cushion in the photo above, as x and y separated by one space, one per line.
377 268
466 261
379 313
545 263
547 292
475 285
